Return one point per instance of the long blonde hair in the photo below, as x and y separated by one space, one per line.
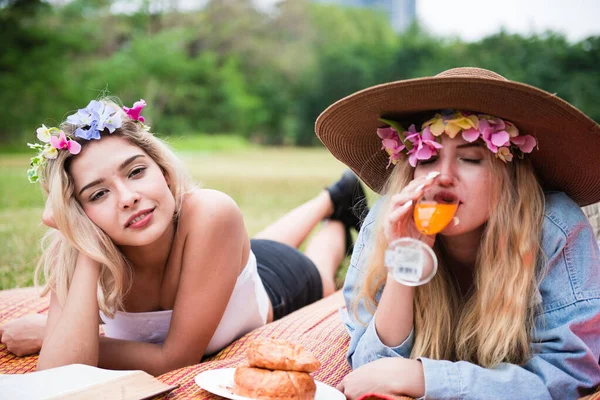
494 324
77 233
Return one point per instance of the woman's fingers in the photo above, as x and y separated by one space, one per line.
413 190
422 182
391 226
399 212
401 205
399 199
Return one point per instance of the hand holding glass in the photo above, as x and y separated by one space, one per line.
411 261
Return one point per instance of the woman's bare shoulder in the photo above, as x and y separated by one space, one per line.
208 206
207 200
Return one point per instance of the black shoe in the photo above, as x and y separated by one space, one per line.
349 201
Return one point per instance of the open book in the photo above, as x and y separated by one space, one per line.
79 381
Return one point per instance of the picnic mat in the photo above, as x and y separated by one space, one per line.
317 327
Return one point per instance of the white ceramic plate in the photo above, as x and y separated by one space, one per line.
217 381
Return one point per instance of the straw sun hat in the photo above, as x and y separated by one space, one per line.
568 142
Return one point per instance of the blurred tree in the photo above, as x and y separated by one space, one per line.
31 65
579 81
186 91
353 49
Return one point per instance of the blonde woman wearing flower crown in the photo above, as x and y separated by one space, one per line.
514 309
167 268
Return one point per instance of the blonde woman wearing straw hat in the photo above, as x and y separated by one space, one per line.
514 309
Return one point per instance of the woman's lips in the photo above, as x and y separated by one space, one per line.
141 220
446 197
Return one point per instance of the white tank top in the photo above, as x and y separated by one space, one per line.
247 309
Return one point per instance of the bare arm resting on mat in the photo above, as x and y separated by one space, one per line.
72 333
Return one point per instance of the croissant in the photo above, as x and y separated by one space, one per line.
263 384
282 355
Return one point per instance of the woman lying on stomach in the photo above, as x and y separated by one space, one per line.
168 268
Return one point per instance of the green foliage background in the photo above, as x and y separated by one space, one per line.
231 69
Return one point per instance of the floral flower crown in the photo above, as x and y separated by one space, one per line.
90 122
501 137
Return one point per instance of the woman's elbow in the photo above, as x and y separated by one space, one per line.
48 360
168 363
49 364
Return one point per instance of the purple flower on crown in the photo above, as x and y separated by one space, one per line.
110 119
93 119
85 116
91 132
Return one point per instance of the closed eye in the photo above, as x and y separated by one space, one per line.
472 160
428 161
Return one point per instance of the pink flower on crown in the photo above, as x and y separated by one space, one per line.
61 142
135 111
391 144
424 145
471 134
493 133
525 143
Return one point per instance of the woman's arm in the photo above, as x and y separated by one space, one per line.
386 376
389 332
71 334
365 344
394 315
211 262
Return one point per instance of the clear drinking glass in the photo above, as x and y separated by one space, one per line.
411 261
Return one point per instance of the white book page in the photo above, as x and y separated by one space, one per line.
54 382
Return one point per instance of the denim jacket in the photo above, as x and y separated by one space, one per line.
565 340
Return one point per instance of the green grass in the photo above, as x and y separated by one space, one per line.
265 182
207 143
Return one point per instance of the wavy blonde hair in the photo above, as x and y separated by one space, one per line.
77 233
494 323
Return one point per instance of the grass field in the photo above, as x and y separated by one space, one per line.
265 182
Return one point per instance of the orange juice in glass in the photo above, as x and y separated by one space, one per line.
432 217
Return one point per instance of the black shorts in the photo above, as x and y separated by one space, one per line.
291 279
